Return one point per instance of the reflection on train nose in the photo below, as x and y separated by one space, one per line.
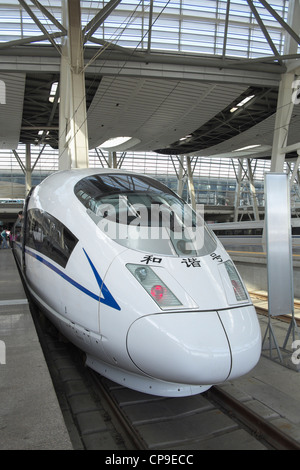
189 348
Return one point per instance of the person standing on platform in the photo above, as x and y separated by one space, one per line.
4 239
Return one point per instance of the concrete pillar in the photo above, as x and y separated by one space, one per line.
285 98
73 135
283 116
28 170
112 160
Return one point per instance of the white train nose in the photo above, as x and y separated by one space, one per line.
187 347
196 348
244 335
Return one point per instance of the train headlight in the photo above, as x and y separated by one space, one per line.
155 287
236 282
141 273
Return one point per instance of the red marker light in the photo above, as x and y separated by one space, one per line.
158 292
235 286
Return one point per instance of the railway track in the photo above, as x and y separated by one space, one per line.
262 309
211 421
102 415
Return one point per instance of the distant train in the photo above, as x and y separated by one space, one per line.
132 276
249 234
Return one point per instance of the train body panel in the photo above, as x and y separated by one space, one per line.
60 287
244 338
169 315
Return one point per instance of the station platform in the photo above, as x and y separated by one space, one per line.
30 415
272 388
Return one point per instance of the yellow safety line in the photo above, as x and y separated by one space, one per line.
251 252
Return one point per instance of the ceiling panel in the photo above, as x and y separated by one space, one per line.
261 134
155 111
12 86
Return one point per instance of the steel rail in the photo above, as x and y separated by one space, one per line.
115 409
270 433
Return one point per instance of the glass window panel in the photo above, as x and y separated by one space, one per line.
128 24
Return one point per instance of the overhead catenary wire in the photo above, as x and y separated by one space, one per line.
120 36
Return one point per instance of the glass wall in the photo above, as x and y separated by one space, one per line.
215 179
177 25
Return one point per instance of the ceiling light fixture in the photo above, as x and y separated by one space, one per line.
186 137
248 147
114 142
241 103
119 143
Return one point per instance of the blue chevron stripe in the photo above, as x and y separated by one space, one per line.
107 298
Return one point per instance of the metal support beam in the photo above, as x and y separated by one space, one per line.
27 170
292 40
180 177
295 170
73 134
121 159
290 148
237 197
291 26
49 16
226 29
264 30
22 166
253 191
38 23
191 183
150 27
94 24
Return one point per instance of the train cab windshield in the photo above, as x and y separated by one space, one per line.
143 214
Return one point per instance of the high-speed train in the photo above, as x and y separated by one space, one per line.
132 276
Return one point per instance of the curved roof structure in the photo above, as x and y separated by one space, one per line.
177 76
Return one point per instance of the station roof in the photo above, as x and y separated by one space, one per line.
177 76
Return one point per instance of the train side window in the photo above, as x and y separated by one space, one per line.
49 236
